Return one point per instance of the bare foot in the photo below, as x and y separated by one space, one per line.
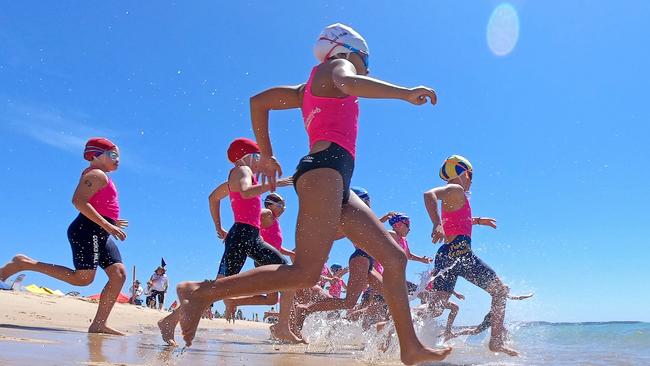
231 308
285 335
380 326
167 326
448 336
190 317
496 347
17 264
103 328
424 354
300 314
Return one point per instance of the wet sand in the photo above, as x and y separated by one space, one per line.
45 330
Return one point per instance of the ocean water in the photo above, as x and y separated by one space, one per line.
333 342
539 343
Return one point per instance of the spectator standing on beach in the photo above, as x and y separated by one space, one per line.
160 283
136 292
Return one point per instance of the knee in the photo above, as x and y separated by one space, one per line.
453 307
305 278
116 274
272 298
84 280
499 290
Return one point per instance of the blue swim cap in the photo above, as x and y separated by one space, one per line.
336 267
361 193
399 217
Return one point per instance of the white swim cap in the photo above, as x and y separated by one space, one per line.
339 38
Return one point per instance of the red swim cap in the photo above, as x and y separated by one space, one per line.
241 147
97 146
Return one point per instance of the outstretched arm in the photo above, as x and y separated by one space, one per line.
410 256
486 221
347 80
215 198
414 257
278 98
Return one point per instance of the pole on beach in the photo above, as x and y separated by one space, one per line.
135 290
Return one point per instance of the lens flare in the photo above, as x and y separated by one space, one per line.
503 29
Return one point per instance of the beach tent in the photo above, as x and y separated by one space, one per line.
36 289
121 298
43 290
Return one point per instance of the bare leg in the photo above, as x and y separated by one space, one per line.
499 293
363 228
320 196
22 262
270 299
116 278
167 324
357 282
282 331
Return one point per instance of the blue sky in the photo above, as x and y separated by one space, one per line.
556 131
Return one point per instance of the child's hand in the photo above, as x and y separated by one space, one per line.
285 182
270 169
122 223
426 260
419 95
438 234
459 296
116 231
488 221
221 233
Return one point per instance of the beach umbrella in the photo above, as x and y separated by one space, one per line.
121 298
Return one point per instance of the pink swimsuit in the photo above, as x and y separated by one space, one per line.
330 119
246 210
105 200
336 288
273 234
458 222
403 243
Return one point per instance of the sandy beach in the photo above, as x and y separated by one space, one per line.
51 330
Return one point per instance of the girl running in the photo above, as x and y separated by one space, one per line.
243 240
274 206
271 233
401 225
455 257
329 103
90 234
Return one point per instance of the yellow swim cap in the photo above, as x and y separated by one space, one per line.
454 166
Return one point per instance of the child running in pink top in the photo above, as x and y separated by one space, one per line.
90 234
401 225
329 104
243 240
455 257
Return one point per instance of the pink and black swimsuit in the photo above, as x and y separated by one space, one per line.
91 245
334 120
456 258
243 239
